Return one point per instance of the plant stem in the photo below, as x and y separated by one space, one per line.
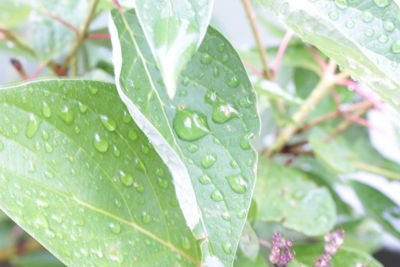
82 34
9 35
28 246
281 51
376 170
323 87
257 36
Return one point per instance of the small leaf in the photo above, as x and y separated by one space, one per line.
75 181
287 195
174 30
203 134
380 207
363 36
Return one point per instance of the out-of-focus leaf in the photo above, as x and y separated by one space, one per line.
345 257
41 259
13 12
363 36
380 207
274 91
287 195
242 261
203 134
249 244
81 178
174 30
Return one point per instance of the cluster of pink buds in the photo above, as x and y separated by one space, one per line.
333 241
281 253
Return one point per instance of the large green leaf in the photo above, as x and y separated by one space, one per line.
203 134
174 30
380 207
80 177
287 195
363 36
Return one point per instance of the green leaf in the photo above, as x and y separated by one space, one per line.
274 91
203 134
363 36
249 244
81 178
379 207
243 261
345 257
287 195
174 30
13 12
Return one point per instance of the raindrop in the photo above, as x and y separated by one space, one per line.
132 135
126 179
115 227
146 218
145 149
93 90
66 115
185 81
1 146
245 141
14 129
48 148
383 38
126 117
237 183
42 203
116 151
46 111
192 148
205 179
333 15
369 32
224 112
45 135
234 164
208 160
159 172
367 16
118 203
396 47
389 26
82 107
49 174
33 125
108 123
190 125
163 183
206 59
217 195
100 143
227 247
234 81
215 72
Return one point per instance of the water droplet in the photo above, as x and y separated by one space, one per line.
185 81
389 26
126 179
108 123
382 3
224 112
215 72
49 174
217 195
396 47
341 3
241 213
211 97
82 107
41 203
226 216
132 135
45 135
367 16
48 148
205 179
192 148
333 15
208 160
163 183
46 111
115 227
369 32
237 183
245 141
234 81
205 59
118 203
186 243
227 248
100 143
116 151
350 24
126 117
66 115
138 186
190 125
383 38
93 90
33 125
159 172
14 129
146 218
40 222
245 102
145 149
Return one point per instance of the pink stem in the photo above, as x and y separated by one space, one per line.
336 98
98 36
117 4
318 58
281 51
63 22
37 72
367 95
357 120
2 37
253 69
264 243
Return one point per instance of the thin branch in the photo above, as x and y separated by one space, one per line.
367 95
9 35
60 20
281 51
323 87
82 34
257 36
19 68
253 69
98 36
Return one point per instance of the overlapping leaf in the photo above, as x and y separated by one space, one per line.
81 178
287 195
363 36
202 134
174 29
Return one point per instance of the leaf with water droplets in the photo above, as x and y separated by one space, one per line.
380 207
174 30
287 195
363 36
65 187
203 134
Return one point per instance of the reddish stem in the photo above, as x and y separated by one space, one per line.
357 120
318 58
367 95
281 51
98 36
37 72
254 69
336 98
117 4
63 22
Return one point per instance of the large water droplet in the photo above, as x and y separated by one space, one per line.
234 81
383 38
217 195
396 47
223 112
126 179
46 111
66 114
208 160
205 179
115 227
108 123
33 125
190 125
100 143
389 26
237 183
382 3
245 141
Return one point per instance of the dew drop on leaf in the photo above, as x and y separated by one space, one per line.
126 179
82 107
367 16
389 26
126 117
66 115
192 148
146 218
217 195
46 111
1 146
234 81
341 3
333 15
237 183
208 160
115 227
132 135
205 179
190 125
100 143
33 126
48 148
227 248
116 151
396 47
206 59
223 112
14 129
108 123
